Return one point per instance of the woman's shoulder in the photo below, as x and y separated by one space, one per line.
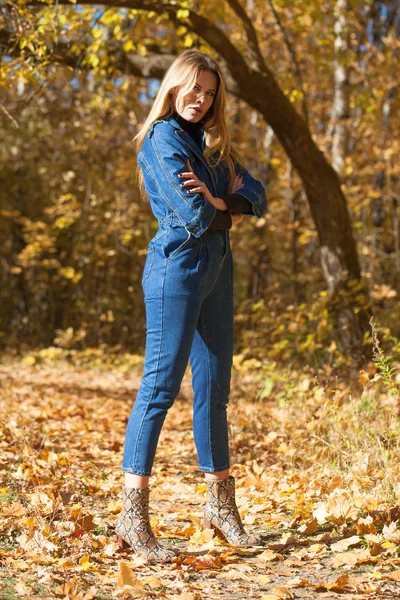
165 126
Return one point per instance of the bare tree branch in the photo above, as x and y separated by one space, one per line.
251 34
293 57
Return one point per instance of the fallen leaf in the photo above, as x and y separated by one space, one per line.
22 589
111 549
336 586
269 555
298 582
354 557
153 582
283 592
395 575
200 538
263 579
342 545
309 527
128 577
365 525
14 510
391 533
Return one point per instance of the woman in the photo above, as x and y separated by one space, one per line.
197 188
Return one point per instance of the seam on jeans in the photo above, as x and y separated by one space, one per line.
220 265
149 268
157 370
135 472
212 470
209 392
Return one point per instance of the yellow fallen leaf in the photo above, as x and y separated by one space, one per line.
115 506
269 555
128 577
263 579
85 564
199 538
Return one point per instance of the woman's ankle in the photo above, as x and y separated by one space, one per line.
133 481
220 476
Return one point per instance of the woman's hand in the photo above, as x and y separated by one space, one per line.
236 184
201 188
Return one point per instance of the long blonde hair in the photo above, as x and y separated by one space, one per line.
182 75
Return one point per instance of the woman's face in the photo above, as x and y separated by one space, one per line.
193 105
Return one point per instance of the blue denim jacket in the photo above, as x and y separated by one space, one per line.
163 156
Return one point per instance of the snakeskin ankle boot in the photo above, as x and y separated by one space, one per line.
133 527
221 514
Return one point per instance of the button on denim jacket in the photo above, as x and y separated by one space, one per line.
163 156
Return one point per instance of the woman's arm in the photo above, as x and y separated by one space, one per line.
252 190
164 156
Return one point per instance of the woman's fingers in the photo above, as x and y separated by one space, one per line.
196 189
190 182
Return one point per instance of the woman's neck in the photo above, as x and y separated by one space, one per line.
188 126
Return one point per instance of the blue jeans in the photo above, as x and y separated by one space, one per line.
188 290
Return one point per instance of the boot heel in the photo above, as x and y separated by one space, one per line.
208 525
122 544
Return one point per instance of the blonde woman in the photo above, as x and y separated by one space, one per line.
197 187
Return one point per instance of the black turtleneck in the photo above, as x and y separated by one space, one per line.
236 203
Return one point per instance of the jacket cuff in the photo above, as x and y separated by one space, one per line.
201 222
238 204
221 220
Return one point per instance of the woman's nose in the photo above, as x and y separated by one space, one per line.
200 98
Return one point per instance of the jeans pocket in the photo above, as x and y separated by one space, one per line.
177 249
148 264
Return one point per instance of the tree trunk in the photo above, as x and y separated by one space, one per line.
341 109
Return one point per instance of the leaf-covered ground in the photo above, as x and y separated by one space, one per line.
317 476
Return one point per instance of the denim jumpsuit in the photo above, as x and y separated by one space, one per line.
188 290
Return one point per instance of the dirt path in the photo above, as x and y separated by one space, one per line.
60 454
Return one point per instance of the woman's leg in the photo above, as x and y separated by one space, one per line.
217 476
171 322
211 362
139 482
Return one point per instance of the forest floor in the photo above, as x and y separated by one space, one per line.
316 467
